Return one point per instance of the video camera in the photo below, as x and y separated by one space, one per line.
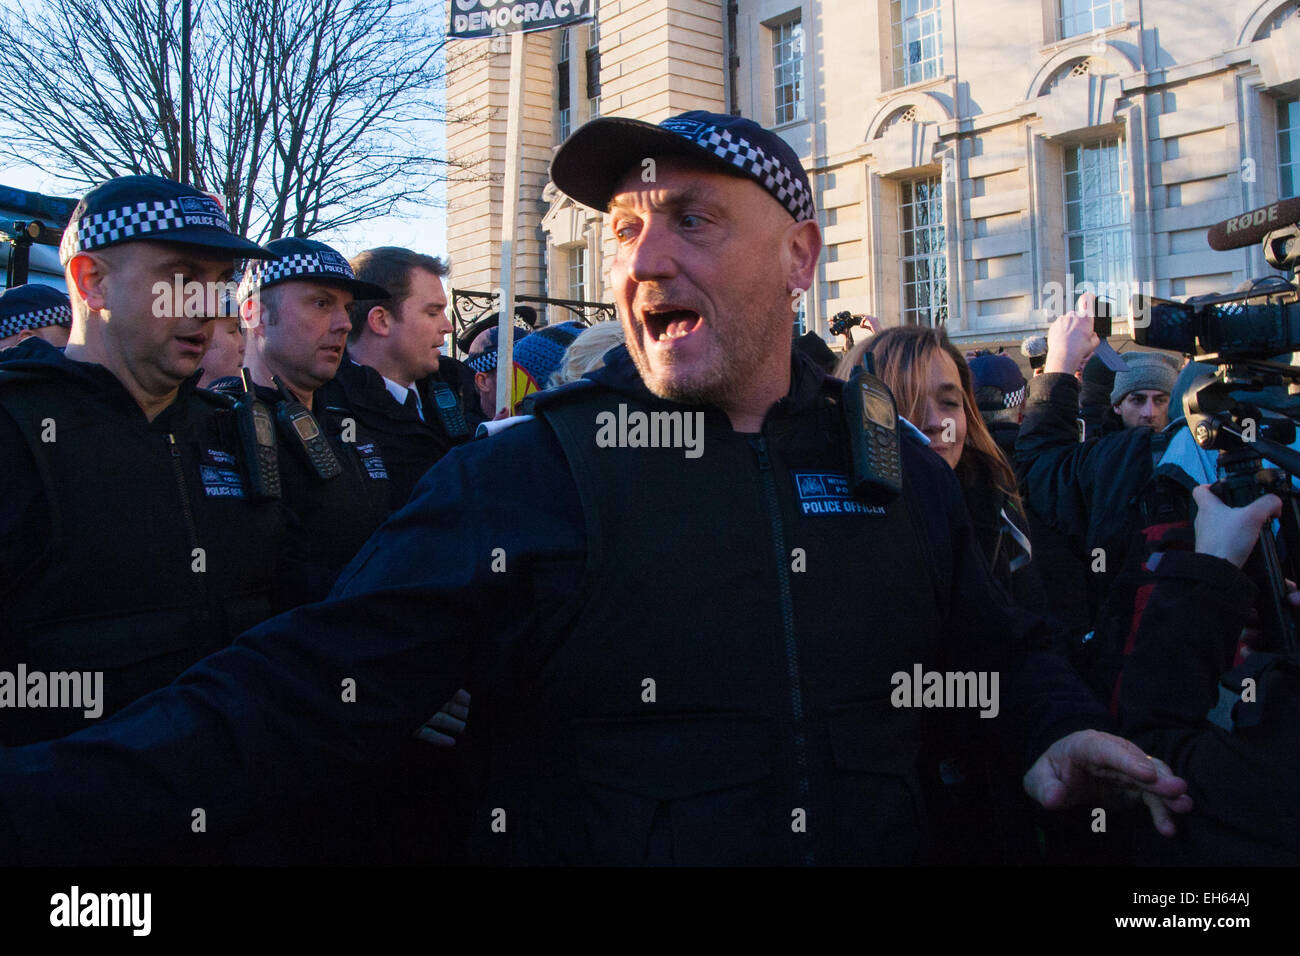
1229 327
1243 337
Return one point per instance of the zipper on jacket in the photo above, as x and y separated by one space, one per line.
759 445
185 503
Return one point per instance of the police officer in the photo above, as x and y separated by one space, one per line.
390 380
126 523
34 310
333 473
662 664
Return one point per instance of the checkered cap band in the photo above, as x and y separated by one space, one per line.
96 230
258 272
1012 399
483 362
785 185
39 319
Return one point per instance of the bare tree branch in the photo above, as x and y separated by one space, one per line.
306 116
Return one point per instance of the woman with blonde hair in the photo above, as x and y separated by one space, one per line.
587 352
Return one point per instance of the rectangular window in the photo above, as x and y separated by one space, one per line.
1288 147
787 70
578 273
917 40
923 252
1084 16
1097 214
593 70
565 114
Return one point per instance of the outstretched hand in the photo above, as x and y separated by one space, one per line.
1090 766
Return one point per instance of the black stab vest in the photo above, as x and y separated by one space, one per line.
117 590
770 612
338 514
410 446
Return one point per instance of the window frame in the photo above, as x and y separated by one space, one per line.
796 107
1109 230
1114 10
1278 130
563 101
935 312
903 74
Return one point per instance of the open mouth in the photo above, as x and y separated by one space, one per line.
664 325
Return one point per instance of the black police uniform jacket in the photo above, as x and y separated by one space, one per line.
410 445
673 659
336 515
128 546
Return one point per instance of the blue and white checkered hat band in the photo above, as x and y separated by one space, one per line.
1012 399
39 319
785 185
140 219
259 273
483 361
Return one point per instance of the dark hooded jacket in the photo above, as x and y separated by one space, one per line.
591 653
1085 491
127 547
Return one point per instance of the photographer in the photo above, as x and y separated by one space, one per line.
1084 490
1174 698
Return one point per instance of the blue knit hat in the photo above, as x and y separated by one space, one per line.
540 354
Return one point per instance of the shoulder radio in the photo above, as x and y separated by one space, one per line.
301 430
449 410
257 444
873 435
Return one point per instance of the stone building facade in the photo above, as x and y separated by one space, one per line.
975 162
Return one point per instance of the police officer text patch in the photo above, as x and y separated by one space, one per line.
822 493
372 461
219 473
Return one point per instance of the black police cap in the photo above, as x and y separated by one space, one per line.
305 260
131 208
32 306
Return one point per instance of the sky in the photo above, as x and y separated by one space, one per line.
425 231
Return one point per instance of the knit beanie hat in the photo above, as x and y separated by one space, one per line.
1153 370
539 354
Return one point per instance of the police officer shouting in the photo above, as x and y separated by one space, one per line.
659 675
126 526
333 473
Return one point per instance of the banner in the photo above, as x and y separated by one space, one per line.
484 18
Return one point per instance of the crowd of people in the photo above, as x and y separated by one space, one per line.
333 605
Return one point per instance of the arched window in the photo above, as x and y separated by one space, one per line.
906 115
1075 69
1284 13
